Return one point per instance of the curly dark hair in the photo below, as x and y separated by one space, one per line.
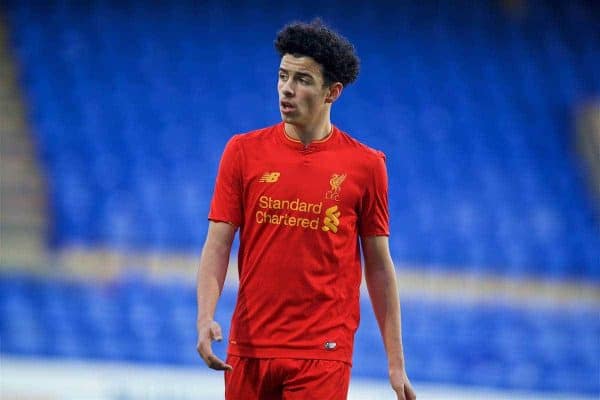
334 52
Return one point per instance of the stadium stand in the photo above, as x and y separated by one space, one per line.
137 320
130 107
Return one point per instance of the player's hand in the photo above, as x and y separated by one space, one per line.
208 332
401 385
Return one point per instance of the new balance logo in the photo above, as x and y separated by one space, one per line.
331 220
270 177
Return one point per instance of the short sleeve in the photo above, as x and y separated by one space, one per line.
374 217
226 204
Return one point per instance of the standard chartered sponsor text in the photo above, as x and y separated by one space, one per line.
272 211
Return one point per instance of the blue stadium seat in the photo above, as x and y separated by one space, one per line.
130 107
134 319
123 108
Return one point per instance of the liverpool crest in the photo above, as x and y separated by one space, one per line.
336 186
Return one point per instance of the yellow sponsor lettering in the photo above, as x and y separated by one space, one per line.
263 202
315 208
260 217
298 205
293 205
314 224
263 217
273 211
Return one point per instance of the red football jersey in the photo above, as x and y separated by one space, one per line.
300 210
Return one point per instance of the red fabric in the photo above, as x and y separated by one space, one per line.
286 379
300 210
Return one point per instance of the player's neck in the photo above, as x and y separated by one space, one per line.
307 135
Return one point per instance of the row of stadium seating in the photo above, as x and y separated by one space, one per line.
131 106
495 345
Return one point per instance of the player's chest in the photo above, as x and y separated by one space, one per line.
310 178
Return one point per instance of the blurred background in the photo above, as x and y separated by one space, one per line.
113 117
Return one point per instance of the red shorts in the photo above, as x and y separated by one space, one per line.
286 379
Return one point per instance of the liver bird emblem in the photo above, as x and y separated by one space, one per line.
336 186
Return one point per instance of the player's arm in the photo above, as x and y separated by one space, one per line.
210 279
380 276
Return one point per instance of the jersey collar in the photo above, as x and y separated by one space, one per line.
297 144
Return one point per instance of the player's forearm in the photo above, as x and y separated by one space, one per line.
383 290
211 277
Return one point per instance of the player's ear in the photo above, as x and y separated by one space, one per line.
334 92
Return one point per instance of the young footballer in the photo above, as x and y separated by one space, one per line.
305 197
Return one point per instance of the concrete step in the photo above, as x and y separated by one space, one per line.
12 114
25 184
16 201
20 183
24 247
14 118
7 95
35 223
23 218
17 165
18 147
32 187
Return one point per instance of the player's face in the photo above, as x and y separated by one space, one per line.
302 93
